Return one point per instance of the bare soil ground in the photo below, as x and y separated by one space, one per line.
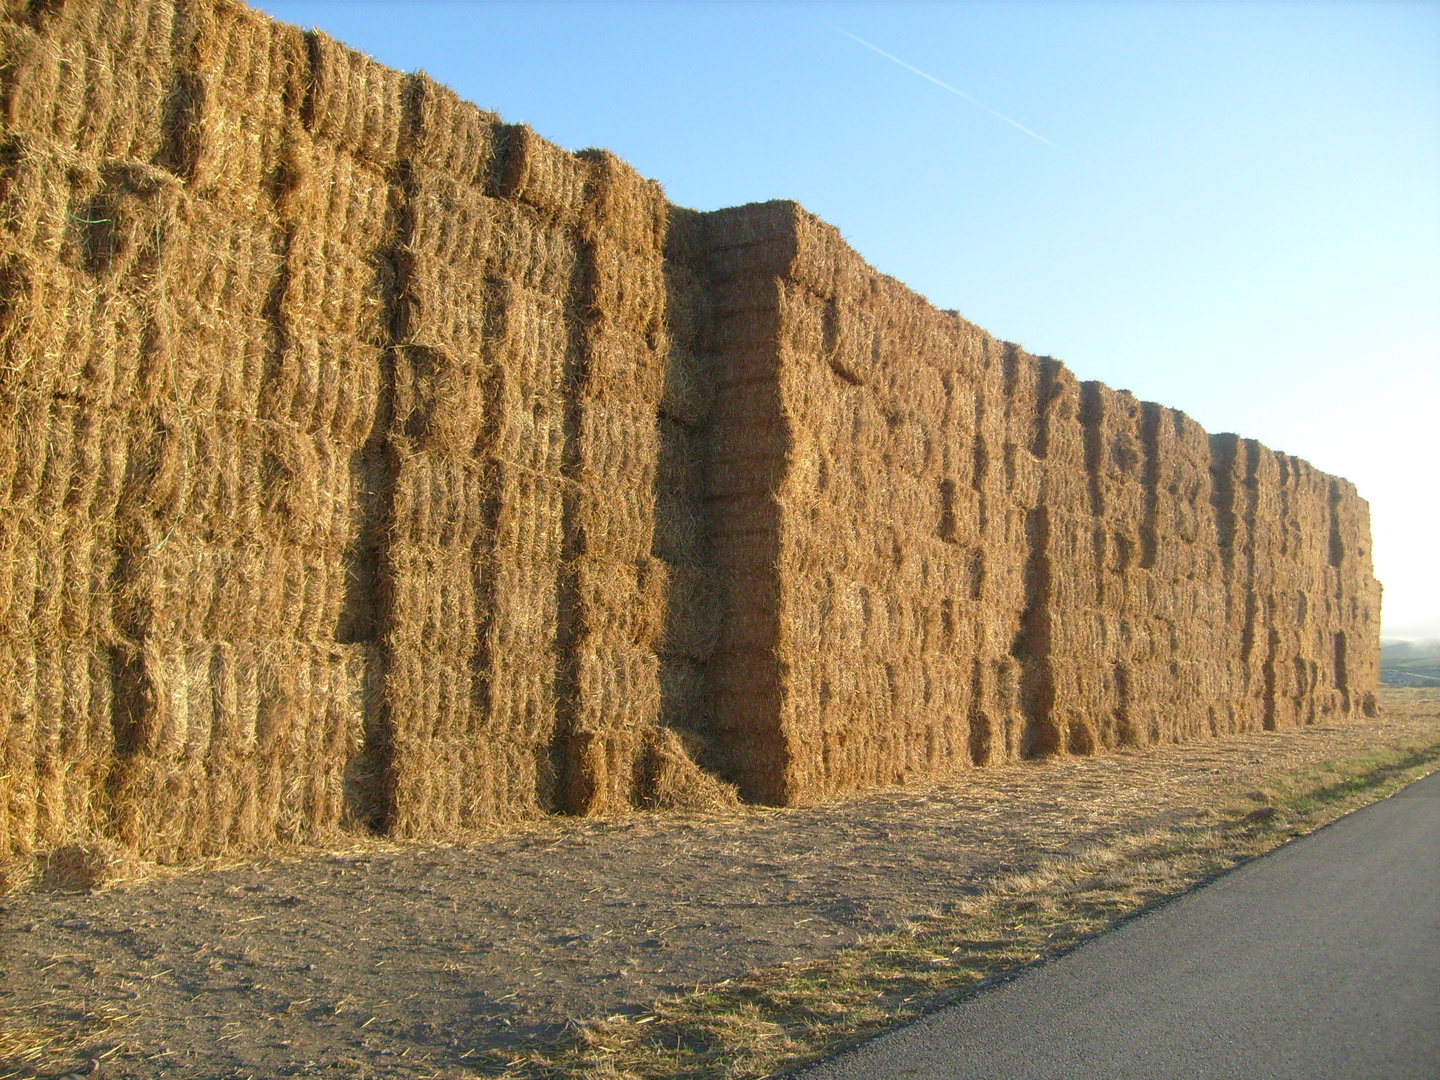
390 960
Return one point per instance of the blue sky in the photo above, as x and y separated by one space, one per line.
1231 208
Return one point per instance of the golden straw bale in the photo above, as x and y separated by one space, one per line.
523 607
529 346
617 687
201 591
354 102
93 77
529 435
451 222
335 196
58 743
627 286
618 444
55 581
540 174
444 501
440 400
520 703
250 742
239 91
620 603
622 365
430 597
603 771
621 206
451 135
332 288
531 251
529 513
328 386
615 523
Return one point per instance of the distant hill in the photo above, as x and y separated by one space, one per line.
1410 663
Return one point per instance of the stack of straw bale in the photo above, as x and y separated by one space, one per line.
223 708
936 549
468 575
621 593
372 463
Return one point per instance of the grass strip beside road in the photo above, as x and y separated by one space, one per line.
780 1018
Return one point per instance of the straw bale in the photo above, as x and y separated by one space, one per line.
627 286
453 760
529 346
451 223
353 101
430 596
617 687
235 745
620 603
337 198
227 266
451 135
332 289
615 523
57 743
201 591
688 390
440 400
92 76
604 771
226 476
240 88
523 607
622 365
62 458
618 445
529 513
302 349
531 251
687 293
540 174
622 208
756 242
328 386
443 307
55 581
680 485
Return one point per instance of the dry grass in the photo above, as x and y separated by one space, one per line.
782 1017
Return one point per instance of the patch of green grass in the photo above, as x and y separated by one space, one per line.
783 1017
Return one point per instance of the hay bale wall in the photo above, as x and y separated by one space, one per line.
939 551
370 463
331 461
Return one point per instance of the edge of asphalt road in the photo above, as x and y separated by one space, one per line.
1056 1017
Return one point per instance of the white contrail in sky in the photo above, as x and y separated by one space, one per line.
946 86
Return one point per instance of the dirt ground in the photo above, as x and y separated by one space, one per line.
391 960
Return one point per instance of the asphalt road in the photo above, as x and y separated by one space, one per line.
1319 961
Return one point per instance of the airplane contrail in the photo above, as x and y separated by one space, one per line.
945 86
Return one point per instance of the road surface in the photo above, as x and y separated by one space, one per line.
1319 961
